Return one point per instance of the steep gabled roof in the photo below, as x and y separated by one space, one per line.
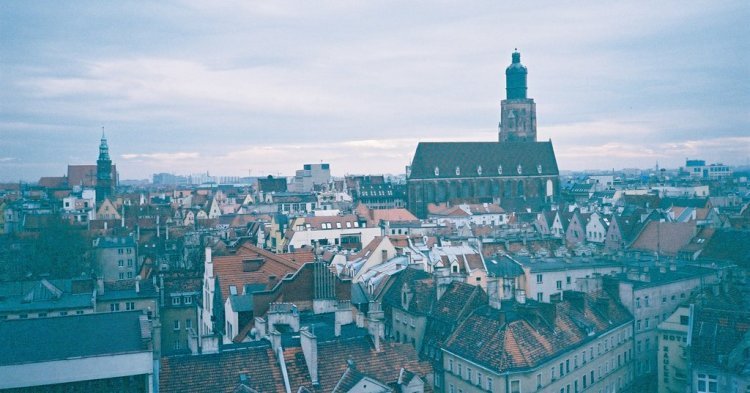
490 156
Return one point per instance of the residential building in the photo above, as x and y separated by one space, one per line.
347 231
583 343
87 353
46 298
672 337
310 177
116 258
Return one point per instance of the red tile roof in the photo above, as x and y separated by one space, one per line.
229 268
385 365
221 372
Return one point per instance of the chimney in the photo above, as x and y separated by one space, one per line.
161 288
158 229
310 349
384 255
209 266
576 299
275 341
122 216
493 292
138 284
521 296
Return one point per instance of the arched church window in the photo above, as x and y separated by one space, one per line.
479 170
520 169
499 169
458 171
539 168
437 171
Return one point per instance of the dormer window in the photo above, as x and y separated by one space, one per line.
520 169
539 168
458 171
499 169
479 170
437 171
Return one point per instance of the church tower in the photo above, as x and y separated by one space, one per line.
517 112
104 186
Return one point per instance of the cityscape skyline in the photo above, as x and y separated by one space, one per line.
268 90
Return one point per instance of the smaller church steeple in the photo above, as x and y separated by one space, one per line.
104 182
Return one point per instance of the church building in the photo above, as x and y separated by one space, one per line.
515 172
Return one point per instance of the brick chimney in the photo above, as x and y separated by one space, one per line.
310 349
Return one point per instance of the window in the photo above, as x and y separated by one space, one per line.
515 386
645 300
489 383
452 388
42 314
176 325
114 307
461 370
707 383
175 300
119 251
538 278
176 345
539 296
121 276
559 284
567 280
645 323
479 378
129 306
637 302
120 263
130 262
187 300
684 319
63 313
130 274
538 381
468 373
79 312
450 365
638 325
188 324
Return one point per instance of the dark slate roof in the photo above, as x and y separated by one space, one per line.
503 266
47 339
729 244
468 156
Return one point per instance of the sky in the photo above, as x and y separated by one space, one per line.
247 88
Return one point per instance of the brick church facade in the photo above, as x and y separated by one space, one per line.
515 172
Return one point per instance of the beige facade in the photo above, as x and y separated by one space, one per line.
673 356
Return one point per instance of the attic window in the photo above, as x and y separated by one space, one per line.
251 265
539 168
499 169
437 171
520 169
232 289
479 170
458 171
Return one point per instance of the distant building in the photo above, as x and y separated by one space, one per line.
310 177
272 184
697 169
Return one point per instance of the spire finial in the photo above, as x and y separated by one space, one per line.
103 136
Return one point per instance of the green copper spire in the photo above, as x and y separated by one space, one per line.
515 78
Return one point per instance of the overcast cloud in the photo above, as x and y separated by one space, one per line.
241 87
